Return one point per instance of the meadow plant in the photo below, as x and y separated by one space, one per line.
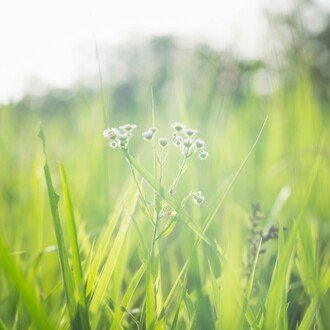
163 211
182 139
154 255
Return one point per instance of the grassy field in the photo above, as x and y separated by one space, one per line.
97 241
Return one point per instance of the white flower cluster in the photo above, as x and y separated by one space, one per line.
183 139
119 137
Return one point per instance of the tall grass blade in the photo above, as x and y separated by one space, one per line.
120 312
276 298
73 240
103 280
62 251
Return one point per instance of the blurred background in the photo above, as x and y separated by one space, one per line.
250 46
220 66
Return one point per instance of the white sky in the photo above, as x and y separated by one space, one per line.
43 38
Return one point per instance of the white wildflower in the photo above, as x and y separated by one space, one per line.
188 142
123 136
163 142
178 126
199 143
110 133
106 133
113 144
119 137
177 142
190 132
203 155
148 134
127 127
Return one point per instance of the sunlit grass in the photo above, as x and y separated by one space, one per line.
93 259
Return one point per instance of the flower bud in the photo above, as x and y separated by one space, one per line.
199 143
127 127
203 155
178 126
123 137
163 142
113 144
190 132
106 133
188 142
148 135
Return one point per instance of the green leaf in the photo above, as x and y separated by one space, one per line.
73 240
168 229
133 284
62 251
103 280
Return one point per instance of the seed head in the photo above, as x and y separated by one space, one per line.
199 143
110 133
127 127
178 126
148 134
203 155
106 133
123 136
188 142
119 137
163 142
113 144
190 132
177 143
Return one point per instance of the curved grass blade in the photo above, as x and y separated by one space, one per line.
62 252
276 292
104 278
214 210
119 314
73 240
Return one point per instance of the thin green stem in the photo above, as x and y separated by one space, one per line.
138 187
180 173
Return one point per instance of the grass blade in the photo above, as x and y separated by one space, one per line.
62 252
73 240
214 210
104 278
127 297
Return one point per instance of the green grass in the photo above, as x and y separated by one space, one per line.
82 245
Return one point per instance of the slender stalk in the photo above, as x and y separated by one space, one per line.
180 173
156 217
139 188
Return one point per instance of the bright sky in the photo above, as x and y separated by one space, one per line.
43 38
